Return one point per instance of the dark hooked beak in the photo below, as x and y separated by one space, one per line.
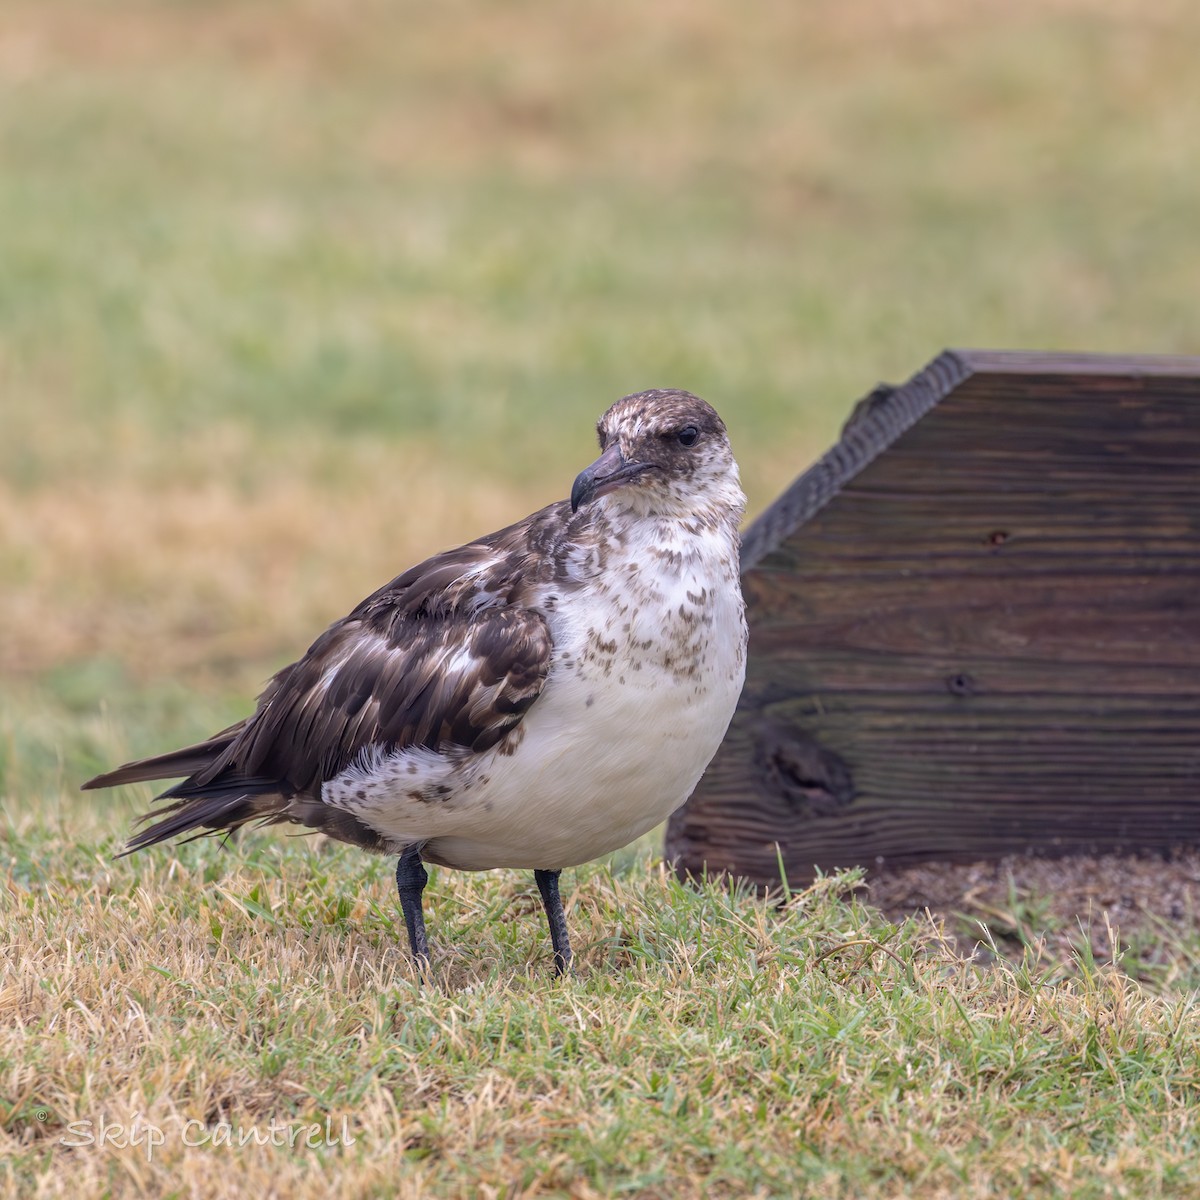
605 475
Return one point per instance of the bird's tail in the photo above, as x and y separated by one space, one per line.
213 797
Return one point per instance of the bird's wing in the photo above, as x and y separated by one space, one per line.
454 684
442 657
446 656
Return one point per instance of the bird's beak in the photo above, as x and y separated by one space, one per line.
605 475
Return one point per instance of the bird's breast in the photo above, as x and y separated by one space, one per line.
669 606
647 672
648 663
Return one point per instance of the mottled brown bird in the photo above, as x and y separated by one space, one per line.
536 698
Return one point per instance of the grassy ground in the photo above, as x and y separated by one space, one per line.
709 1042
293 293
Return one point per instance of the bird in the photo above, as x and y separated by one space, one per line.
534 699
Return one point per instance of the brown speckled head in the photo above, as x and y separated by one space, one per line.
664 452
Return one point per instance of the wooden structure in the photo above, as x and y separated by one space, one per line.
974 628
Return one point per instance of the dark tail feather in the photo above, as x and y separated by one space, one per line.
230 803
213 808
191 760
212 798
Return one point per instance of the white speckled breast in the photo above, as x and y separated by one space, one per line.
649 661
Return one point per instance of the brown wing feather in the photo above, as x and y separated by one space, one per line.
456 683
445 656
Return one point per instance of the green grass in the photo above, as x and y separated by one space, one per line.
390 263
293 293
708 1041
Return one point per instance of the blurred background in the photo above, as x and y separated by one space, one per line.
295 292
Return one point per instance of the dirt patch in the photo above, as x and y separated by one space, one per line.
1144 903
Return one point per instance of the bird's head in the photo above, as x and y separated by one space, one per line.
663 453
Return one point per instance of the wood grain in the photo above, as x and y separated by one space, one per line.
975 628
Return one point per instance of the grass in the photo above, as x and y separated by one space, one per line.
258 266
293 293
709 1040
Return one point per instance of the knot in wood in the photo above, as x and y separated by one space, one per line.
806 775
961 684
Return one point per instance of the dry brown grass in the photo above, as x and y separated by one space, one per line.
708 1044
558 91
166 556
213 573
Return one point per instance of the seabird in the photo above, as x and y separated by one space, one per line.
535 699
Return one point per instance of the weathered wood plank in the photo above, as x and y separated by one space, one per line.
975 627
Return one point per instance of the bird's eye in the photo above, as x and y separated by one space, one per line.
689 435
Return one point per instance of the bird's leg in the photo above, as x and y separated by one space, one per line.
547 882
411 878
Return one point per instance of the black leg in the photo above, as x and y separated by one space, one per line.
547 882
411 878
